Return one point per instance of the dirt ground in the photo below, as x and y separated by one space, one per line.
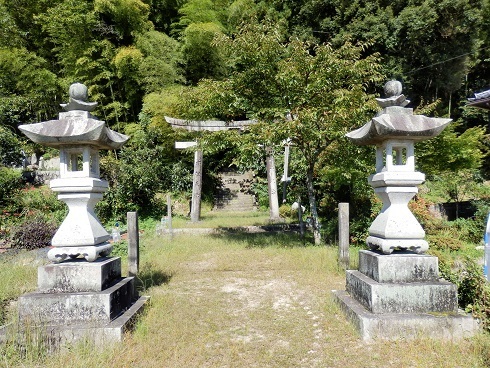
265 309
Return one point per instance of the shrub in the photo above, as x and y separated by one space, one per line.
420 208
469 230
120 249
445 241
285 211
135 177
10 183
10 148
41 202
474 293
33 233
473 288
260 190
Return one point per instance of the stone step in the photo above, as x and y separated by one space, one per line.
415 297
234 208
233 194
67 277
246 201
79 307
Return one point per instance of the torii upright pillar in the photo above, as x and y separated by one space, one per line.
197 180
272 184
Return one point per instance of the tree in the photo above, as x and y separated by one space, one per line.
452 152
10 148
163 13
29 88
197 11
201 57
435 66
124 18
10 34
160 65
96 69
312 94
23 12
429 45
69 26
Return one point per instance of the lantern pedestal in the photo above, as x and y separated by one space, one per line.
400 296
81 233
396 227
78 300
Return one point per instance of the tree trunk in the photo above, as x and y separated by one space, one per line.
314 214
300 218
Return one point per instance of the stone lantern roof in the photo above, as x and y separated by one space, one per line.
396 121
76 126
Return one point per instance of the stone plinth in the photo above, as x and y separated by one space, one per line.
79 299
78 276
400 296
416 297
416 267
78 307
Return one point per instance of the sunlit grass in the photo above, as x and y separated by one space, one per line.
215 219
18 275
246 300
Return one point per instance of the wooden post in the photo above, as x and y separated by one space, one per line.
344 235
196 187
169 216
300 219
272 185
133 244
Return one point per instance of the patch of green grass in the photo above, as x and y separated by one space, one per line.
18 275
248 300
215 219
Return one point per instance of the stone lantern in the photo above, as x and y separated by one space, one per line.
394 132
79 137
76 299
397 293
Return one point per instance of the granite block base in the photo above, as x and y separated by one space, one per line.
400 296
81 300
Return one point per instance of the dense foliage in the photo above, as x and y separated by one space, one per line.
31 234
308 70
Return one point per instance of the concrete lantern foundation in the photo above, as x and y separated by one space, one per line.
81 300
400 296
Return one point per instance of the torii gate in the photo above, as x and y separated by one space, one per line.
213 126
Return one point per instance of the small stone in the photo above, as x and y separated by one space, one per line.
78 91
393 88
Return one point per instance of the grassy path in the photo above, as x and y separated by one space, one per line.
249 300
249 308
